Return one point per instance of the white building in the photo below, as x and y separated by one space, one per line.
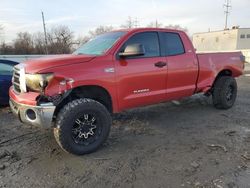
235 39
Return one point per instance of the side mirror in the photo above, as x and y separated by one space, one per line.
133 50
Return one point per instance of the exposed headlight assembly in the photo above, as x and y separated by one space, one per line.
38 82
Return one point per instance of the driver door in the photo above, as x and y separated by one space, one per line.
141 80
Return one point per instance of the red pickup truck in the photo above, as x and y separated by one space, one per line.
76 94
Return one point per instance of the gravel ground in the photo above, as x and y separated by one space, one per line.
177 144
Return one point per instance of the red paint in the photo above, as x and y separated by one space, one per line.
24 98
183 76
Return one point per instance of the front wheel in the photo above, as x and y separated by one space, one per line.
82 126
224 92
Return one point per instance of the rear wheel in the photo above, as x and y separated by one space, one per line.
82 126
224 92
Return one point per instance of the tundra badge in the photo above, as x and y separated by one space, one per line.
141 91
109 70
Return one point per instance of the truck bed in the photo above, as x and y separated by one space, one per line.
212 63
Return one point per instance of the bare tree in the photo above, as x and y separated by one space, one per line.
6 49
60 40
39 43
23 44
92 33
170 26
177 27
129 23
155 24
1 31
1 28
82 40
100 30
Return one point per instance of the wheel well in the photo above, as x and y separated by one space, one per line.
92 92
225 72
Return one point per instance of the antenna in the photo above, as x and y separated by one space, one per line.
227 6
45 34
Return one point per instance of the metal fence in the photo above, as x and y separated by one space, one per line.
21 58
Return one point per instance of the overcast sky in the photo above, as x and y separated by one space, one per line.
81 16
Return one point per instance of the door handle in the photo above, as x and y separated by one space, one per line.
161 64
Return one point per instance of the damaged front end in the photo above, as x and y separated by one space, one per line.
34 97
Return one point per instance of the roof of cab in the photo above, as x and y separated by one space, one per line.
148 29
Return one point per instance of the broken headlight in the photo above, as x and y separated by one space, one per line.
38 82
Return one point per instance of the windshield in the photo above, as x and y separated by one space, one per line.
100 44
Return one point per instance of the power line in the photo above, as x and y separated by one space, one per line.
227 12
45 34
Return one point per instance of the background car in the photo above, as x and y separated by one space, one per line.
6 69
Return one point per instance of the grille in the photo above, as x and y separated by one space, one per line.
16 79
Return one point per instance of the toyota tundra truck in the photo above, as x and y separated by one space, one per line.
77 94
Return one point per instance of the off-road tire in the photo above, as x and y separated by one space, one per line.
66 119
221 89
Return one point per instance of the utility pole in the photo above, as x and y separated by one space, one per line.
45 34
136 23
130 22
227 6
156 23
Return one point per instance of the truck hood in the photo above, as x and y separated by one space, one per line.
41 64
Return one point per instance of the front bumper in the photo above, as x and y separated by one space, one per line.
41 115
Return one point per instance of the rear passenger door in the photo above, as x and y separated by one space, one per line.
182 65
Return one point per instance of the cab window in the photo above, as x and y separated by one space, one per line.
173 43
150 42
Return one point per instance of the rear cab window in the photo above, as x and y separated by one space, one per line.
172 43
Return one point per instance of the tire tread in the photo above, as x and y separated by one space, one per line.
65 112
219 91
